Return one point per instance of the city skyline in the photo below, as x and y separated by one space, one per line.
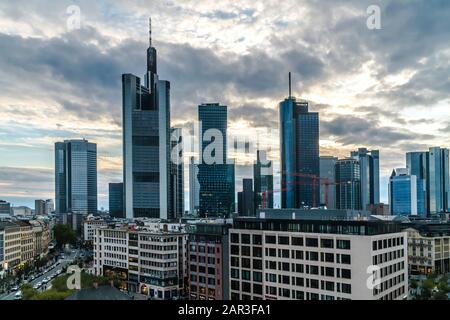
366 96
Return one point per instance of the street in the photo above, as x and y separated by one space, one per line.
49 273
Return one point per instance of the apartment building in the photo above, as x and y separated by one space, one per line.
282 256
26 241
41 235
12 244
208 260
149 258
429 248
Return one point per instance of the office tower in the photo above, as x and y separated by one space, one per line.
438 180
369 163
339 254
263 181
146 143
208 253
402 193
194 188
176 197
328 182
245 199
416 163
299 141
76 177
116 200
348 184
39 207
215 176
49 206
5 208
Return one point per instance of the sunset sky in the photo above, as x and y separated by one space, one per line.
384 89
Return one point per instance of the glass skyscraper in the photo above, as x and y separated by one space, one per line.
369 162
348 184
146 143
263 181
76 177
176 200
403 193
216 179
116 200
328 181
299 146
416 163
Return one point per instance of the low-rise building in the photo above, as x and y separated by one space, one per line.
148 257
41 237
21 211
281 257
208 260
26 241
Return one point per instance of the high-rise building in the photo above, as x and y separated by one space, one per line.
263 181
328 181
369 163
348 184
176 197
39 207
402 193
246 199
299 142
215 175
76 177
116 200
194 187
416 163
5 208
49 206
146 143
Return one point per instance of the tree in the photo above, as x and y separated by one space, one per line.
28 292
64 235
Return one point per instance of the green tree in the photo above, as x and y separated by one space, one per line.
28 292
64 235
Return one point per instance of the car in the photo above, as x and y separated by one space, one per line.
36 286
15 288
18 296
32 278
44 281
39 284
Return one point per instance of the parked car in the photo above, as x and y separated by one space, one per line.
18 296
15 288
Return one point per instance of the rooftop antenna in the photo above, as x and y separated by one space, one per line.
290 87
150 31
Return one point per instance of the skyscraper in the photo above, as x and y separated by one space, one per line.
146 143
327 181
215 176
348 184
299 142
438 180
263 181
39 207
116 200
416 163
402 193
246 199
369 162
194 187
176 199
76 177
49 206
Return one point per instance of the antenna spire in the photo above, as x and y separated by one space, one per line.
150 31
290 86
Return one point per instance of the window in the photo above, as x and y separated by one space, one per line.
246 263
326 243
246 287
297 241
235 286
257 252
235 273
257 264
346 288
272 252
314 270
314 256
345 259
245 275
235 262
235 250
271 239
374 245
245 238
313 283
346 274
343 244
245 251
312 242
257 276
283 240
257 239
257 289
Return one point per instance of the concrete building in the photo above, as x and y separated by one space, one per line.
208 260
39 207
21 211
41 238
276 258
149 259
12 245
90 223
26 241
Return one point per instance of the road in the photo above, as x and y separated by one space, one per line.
50 272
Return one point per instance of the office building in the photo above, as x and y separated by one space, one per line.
116 200
296 258
76 177
176 197
90 223
263 181
369 164
215 176
438 176
146 143
348 184
416 163
328 182
299 146
5 208
402 193
246 199
39 207
49 206
149 259
12 245
21 211
208 260
194 188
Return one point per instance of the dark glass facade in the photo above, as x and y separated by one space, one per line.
299 144
116 200
263 181
348 185
369 163
246 199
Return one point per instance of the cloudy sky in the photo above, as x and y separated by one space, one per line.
384 89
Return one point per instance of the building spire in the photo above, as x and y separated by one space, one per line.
150 31
290 86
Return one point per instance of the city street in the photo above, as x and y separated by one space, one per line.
49 273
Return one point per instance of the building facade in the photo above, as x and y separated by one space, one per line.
263 181
299 146
246 206
328 181
194 188
294 259
369 164
39 207
5 209
116 200
146 143
12 245
402 193
348 184
176 197
76 177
